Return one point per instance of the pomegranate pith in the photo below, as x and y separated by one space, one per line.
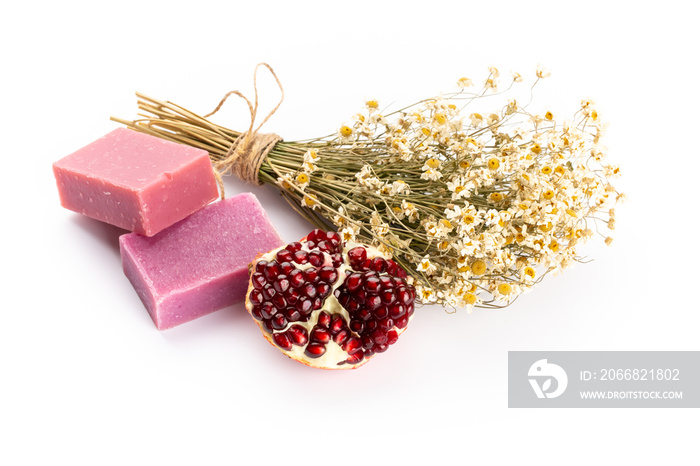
329 304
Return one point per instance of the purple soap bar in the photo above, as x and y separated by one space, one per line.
200 264
135 181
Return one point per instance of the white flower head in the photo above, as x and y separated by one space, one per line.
400 187
426 294
410 210
285 181
431 174
311 156
542 72
426 266
463 83
310 201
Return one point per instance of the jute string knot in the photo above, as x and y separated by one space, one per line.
248 152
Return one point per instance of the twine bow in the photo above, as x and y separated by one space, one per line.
249 150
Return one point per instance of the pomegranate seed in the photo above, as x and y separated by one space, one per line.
315 350
255 297
293 247
316 234
388 297
357 255
258 280
381 312
298 335
337 259
372 284
403 295
357 326
323 289
272 270
282 340
352 305
400 272
367 342
396 310
328 274
301 257
380 348
387 283
287 268
281 284
267 310
386 324
324 319
409 310
296 278
304 305
316 258
401 322
392 336
391 267
309 290
320 335
366 265
292 314
266 326
363 314
324 246
355 358
260 266
353 282
284 255
352 345
378 264
279 302
371 325
373 302
337 324
292 296
343 298
311 275
278 322
360 296
318 303
268 292
412 290
334 238
342 336
255 312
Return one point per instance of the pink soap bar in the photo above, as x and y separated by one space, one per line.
200 264
136 181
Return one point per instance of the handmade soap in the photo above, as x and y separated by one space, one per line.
136 181
200 264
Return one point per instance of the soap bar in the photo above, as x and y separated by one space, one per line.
198 265
136 181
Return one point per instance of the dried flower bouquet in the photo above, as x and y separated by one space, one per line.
478 206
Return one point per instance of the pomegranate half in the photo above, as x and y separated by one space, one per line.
329 304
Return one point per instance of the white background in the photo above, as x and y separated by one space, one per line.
85 378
